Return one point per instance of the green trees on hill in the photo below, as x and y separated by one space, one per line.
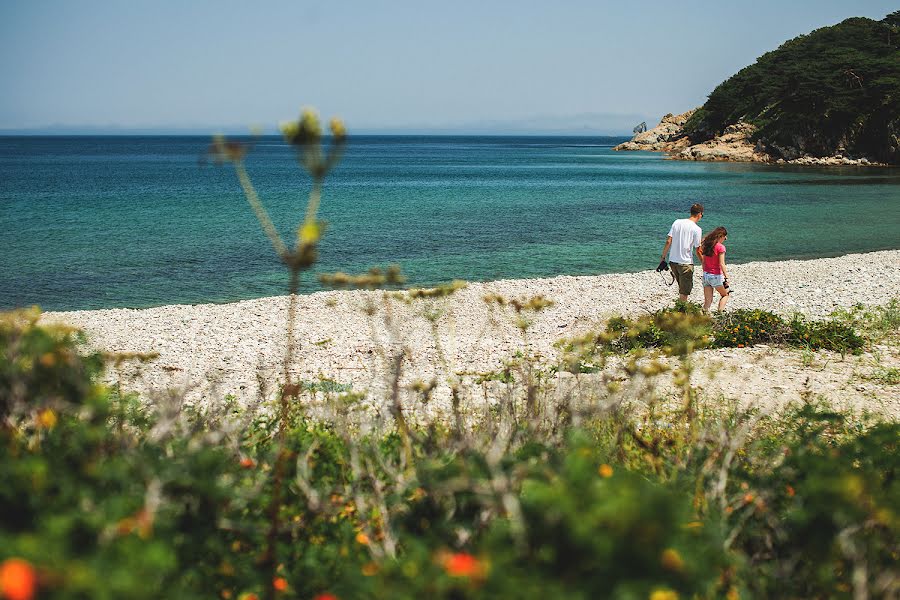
836 89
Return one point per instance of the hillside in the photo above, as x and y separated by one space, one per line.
833 91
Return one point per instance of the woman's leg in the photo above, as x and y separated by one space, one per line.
724 297
707 298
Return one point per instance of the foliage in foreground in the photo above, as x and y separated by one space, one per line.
105 498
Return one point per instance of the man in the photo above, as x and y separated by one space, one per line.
682 243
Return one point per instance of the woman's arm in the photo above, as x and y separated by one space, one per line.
722 264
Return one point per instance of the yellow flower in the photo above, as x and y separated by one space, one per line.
605 471
362 538
47 418
338 130
663 594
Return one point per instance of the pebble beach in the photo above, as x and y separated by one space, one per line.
207 351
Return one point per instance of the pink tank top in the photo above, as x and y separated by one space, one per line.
711 263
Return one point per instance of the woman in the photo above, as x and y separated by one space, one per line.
715 275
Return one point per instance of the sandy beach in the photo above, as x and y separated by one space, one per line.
210 350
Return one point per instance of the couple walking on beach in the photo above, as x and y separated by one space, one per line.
684 239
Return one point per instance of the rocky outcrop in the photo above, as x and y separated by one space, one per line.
668 136
733 145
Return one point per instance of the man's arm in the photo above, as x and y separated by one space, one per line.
666 247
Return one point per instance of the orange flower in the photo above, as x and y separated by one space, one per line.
671 560
280 584
17 579
461 564
325 596
790 491
362 538
605 471
748 498
247 463
740 345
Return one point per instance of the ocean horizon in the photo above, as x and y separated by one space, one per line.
138 221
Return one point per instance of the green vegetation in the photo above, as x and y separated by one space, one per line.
836 89
104 497
683 328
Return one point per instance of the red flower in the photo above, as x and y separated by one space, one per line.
325 596
280 584
461 564
17 579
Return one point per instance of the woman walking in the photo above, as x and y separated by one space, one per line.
715 275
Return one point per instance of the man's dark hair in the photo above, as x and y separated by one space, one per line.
696 209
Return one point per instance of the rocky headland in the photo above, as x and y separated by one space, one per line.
735 144
828 97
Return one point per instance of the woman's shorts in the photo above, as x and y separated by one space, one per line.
713 281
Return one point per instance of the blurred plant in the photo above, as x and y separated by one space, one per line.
305 135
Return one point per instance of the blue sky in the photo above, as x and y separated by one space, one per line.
593 66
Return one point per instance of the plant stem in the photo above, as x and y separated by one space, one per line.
260 210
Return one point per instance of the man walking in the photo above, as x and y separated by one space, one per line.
682 243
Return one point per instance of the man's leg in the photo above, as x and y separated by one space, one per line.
685 277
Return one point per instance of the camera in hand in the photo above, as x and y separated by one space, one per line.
663 266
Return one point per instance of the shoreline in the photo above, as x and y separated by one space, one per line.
208 351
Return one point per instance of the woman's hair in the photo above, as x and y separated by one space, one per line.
712 238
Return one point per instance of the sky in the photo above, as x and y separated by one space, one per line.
593 67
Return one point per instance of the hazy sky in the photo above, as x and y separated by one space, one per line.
593 66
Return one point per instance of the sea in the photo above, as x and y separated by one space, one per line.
122 221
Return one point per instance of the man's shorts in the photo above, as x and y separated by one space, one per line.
684 275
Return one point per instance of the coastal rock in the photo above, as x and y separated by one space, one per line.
668 136
733 145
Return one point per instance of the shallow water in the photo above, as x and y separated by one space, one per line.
98 222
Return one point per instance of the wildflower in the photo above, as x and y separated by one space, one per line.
338 130
733 594
247 463
47 418
362 538
790 491
248 596
462 564
325 596
748 498
17 579
369 569
48 359
605 471
280 584
740 345
663 594
671 560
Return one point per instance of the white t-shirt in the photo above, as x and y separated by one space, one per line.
685 237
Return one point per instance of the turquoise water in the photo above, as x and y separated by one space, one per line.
98 222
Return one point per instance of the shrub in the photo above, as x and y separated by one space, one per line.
677 330
747 327
825 335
